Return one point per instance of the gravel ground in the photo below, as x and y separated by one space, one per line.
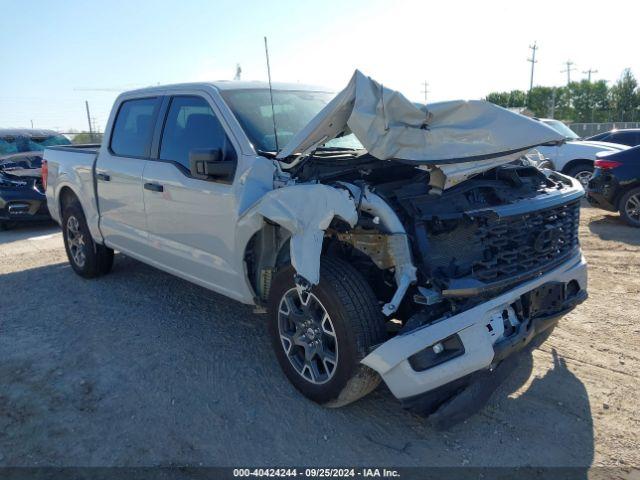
141 368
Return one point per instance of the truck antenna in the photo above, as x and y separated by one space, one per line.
273 110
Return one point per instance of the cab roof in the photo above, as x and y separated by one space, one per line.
225 85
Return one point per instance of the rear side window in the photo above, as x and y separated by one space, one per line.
133 127
625 138
192 125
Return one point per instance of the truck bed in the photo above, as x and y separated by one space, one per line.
71 167
80 148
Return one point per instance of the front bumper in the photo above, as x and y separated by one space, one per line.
483 348
23 205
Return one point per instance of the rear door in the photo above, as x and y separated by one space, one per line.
191 222
119 175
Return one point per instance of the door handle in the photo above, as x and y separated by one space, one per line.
154 187
103 176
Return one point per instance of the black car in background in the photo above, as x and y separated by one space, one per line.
615 184
21 192
629 136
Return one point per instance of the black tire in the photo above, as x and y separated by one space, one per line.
4 226
580 172
98 259
626 207
357 323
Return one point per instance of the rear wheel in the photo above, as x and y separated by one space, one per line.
87 258
320 336
630 207
582 172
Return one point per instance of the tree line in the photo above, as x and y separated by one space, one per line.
582 101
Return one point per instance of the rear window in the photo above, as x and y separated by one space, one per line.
25 143
133 127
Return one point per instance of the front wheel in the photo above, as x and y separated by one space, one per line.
630 207
320 336
87 258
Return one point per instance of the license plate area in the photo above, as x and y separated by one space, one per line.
544 300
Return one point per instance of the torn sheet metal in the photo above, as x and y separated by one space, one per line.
389 126
399 248
306 211
455 173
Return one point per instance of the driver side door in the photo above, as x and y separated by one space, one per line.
191 221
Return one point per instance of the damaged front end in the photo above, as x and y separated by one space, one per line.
464 277
470 252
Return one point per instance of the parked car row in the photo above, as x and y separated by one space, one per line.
574 157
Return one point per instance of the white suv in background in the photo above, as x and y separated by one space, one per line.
575 157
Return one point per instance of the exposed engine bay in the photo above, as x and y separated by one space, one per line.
420 246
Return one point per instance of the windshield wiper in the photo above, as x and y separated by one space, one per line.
338 149
267 154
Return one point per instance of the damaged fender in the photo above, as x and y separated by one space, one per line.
306 211
397 243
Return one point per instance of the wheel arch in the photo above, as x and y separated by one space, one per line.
623 191
575 162
66 195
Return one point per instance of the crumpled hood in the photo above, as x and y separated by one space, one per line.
389 126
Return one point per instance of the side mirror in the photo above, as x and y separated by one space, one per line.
210 164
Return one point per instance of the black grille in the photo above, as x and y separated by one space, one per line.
518 244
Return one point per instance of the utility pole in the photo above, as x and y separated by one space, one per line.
86 104
425 91
31 123
589 72
568 71
533 61
238 72
553 103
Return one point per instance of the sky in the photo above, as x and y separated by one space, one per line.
56 55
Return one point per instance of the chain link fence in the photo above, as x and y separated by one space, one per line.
588 129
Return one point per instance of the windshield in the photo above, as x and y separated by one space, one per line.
293 110
562 129
24 143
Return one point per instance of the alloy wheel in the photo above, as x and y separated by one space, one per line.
584 177
632 207
75 241
308 336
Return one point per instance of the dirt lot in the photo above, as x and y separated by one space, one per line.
140 368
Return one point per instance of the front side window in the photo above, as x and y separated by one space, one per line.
192 125
133 128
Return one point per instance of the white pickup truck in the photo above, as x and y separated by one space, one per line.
574 157
383 240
